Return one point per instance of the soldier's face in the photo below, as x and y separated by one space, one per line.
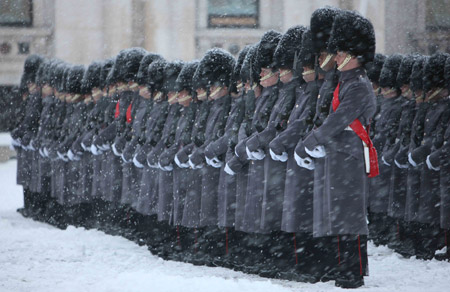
183 98
96 93
308 77
388 92
172 97
286 75
201 94
406 92
144 92
268 77
46 90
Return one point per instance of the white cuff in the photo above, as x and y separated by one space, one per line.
137 163
384 161
258 154
403 166
430 166
317 152
249 154
181 165
411 161
114 149
307 162
228 170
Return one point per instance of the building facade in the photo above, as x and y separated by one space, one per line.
80 31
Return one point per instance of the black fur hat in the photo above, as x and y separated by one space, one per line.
30 68
111 76
42 73
249 66
216 67
433 72
185 78
288 46
143 67
404 73
266 49
416 78
388 75
104 73
64 83
74 79
447 73
53 77
237 68
171 72
91 78
374 68
59 75
127 64
321 24
155 75
306 56
354 34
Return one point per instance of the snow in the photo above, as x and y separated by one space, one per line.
37 257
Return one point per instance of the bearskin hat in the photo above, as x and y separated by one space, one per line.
30 69
266 49
59 75
447 73
388 75
236 76
91 78
307 56
185 78
404 72
141 77
216 68
288 46
111 77
416 78
104 73
249 70
171 72
374 68
354 34
155 74
74 79
321 24
433 72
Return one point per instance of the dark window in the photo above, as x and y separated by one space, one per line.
233 13
24 48
438 14
16 12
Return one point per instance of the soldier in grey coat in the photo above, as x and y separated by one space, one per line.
340 210
428 212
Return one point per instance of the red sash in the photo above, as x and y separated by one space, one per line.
129 114
116 114
359 130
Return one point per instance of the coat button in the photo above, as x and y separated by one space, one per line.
296 105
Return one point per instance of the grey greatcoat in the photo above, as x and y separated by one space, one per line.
223 148
148 193
298 188
397 186
24 132
255 182
192 202
429 195
181 177
341 207
131 181
165 178
401 158
386 131
274 171
440 160
210 176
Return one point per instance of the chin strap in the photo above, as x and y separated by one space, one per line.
346 60
218 89
327 60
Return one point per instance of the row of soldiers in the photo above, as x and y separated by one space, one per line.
263 163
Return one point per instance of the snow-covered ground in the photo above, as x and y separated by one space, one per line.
37 257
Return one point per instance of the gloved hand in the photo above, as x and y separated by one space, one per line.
255 155
136 162
193 165
317 152
411 160
430 165
399 165
384 161
228 170
216 163
180 164
283 157
307 162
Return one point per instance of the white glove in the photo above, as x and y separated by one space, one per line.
15 143
137 163
208 161
403 166
307 162
181 165
317 152
31 147
216 163
283 157
165 168
124 159
40 152
105 147
411 161
192 165
114 149
258 154
70 155
95 150
384 161
228 170
62 157
84 147
430 166
249 154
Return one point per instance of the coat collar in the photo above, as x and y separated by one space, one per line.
353 73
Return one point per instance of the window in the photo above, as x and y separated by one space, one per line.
233 13
24 48
16 13
438 15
